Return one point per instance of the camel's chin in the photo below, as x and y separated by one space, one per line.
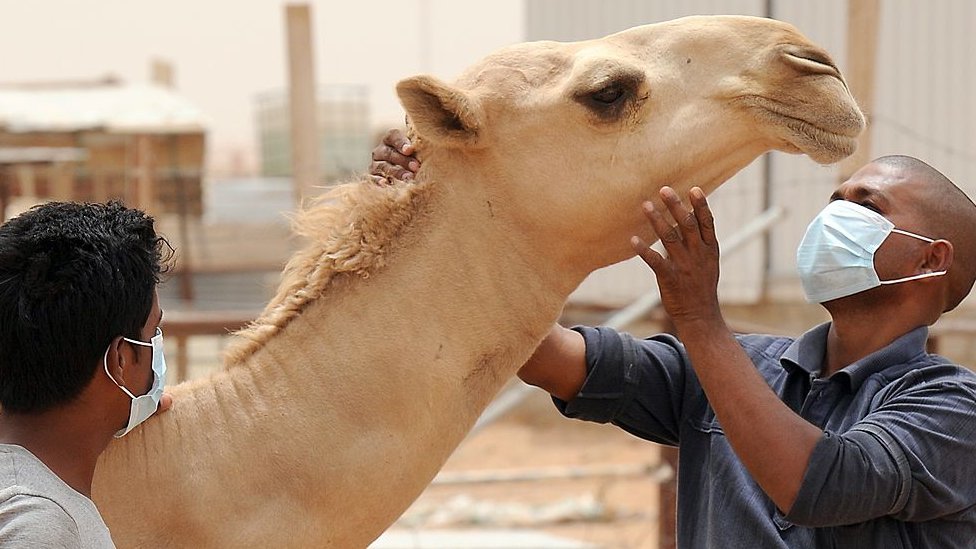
836 148
822 145
827 140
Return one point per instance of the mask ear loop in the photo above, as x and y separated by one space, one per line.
914 277
918 276
913 235
117 384
159 333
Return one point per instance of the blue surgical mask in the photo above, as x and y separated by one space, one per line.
144 406
836 256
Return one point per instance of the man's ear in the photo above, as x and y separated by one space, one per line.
115 360
440 113
939 256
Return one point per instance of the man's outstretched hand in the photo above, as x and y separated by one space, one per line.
394 159
688 276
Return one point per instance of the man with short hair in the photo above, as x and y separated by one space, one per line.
851 435
80 361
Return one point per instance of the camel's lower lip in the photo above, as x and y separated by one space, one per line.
823 144
819 143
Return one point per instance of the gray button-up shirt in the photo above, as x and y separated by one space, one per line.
896 466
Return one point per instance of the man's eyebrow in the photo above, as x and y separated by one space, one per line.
876 196
861 193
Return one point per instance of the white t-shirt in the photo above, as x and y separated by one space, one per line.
38 510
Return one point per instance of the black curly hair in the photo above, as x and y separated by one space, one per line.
72 277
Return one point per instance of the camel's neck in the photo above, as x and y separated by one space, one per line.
365 393
398 366
453 309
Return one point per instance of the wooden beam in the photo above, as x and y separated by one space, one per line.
302 101
4 191
862 54
145 172
62 182
162 74
667 530
181 325
177 183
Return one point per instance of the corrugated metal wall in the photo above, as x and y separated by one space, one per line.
571 20
924 106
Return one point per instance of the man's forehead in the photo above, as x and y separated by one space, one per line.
876 179
898 193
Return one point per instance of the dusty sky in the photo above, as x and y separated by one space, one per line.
227 51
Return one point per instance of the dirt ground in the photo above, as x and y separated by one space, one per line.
606 511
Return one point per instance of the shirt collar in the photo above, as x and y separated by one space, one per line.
808 351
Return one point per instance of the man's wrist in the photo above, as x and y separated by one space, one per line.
701 327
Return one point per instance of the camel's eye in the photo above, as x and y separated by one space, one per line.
611 97
608 95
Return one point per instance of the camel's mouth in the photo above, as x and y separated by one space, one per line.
820 144
826 140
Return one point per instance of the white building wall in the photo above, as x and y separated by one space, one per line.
924 106
798 184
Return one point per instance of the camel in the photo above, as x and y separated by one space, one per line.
413 303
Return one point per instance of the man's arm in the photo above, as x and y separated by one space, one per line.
558 365
911 457
773 442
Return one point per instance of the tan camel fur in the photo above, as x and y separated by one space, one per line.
412 304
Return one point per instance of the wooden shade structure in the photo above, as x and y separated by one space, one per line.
141 144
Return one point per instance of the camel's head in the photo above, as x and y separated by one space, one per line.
565 139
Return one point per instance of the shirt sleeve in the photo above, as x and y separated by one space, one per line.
635 384
911 459
37 522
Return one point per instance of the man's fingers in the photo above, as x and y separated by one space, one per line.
685 219
384 153
385 169
391 137
653 259
394 157
667 234
399 142
389 153
706 221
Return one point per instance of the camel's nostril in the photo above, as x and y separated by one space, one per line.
811 61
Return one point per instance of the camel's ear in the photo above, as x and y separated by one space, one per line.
440 113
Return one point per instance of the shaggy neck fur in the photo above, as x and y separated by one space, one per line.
350 231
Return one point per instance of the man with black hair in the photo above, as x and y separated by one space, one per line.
81 361
851 435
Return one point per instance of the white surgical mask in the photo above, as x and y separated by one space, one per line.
144 406
836 256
